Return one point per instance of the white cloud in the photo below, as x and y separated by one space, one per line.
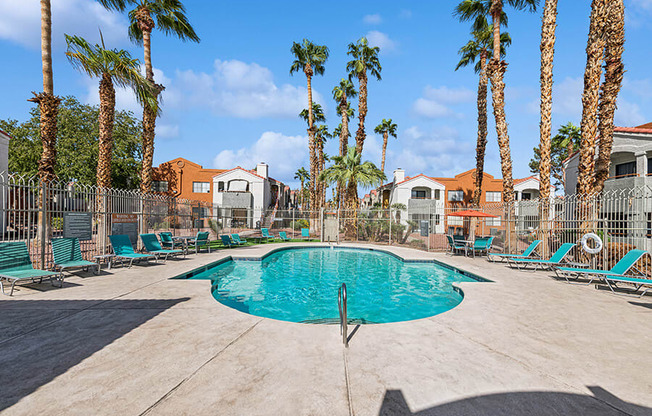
405 14
372 19
239 89
20 22
381 40
284 155
436 101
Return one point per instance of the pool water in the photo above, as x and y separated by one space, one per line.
301 285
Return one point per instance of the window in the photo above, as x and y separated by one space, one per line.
159 186
493 196
220 186
456 196
624 170
437 219
201 187
199 212
418 194
648 234
437 194
492 222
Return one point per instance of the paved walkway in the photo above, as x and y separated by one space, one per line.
133 341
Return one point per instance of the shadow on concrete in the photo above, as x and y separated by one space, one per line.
59 335
533 403
348 339
645 305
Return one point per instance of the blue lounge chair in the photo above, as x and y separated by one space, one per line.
619 270
612 282
283 236
265 233
66 253
305 233
482 245
226 241
240 241
152 246
168 242
16 266
456 246
124 251
556 259
201 241
527 253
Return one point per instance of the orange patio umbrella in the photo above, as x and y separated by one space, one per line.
471 213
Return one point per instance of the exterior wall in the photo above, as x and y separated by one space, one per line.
466 182
181 173
4 170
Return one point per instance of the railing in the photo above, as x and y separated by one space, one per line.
341 305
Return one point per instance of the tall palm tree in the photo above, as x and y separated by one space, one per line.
310 59
113 67
321 136
170 17
365 59
302 175
613 77
386 128
350 170
477 49
341 94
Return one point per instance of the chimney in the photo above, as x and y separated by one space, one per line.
262 169
399 175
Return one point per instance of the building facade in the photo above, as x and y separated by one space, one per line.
4 170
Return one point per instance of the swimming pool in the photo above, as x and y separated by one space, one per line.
301 285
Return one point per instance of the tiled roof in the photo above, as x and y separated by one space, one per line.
639 129
408 178
5 133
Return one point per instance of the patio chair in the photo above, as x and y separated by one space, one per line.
124 251
623 266
200 241
456 246
240 241
305 233
482 245
527 253
612 282
226 241
265 233
555 260
167 242
152 246
283 236
66 253
16 266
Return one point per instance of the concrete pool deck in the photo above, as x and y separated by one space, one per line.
134 341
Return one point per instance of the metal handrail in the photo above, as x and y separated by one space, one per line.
341 304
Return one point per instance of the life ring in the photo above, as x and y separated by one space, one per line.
597 242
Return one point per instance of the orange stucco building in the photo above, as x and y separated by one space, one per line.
184 179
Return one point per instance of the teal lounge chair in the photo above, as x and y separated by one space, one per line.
226 241
619 270
527 253
152 246
556 259
265 233
167 242
16 266
612 282
240 241
124 251
67 255
283 236
482 245
456 246
201 241
305 233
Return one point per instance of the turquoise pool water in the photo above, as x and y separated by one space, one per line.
300 285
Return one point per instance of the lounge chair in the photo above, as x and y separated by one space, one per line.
240 241
527 253
124 251
482 244
265 233
200 241
456 246
152 246
226 241
67 255
619 270
305 233
167 242
16 266
283 236
612 282
555 260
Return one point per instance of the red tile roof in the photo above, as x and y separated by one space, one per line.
639 129
5 133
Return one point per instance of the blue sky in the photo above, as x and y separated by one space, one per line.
230 99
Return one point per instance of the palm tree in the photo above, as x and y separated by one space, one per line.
113 67
386 128
310 59
365 58
170 17
478 49
351 171
341 95
321 135
302 175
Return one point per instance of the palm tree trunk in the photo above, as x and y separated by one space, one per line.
496 10
613 77
545 128
362 112
382 161
351 207
312 200
482 129
344 143
107 116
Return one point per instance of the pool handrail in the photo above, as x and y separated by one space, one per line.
341 304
